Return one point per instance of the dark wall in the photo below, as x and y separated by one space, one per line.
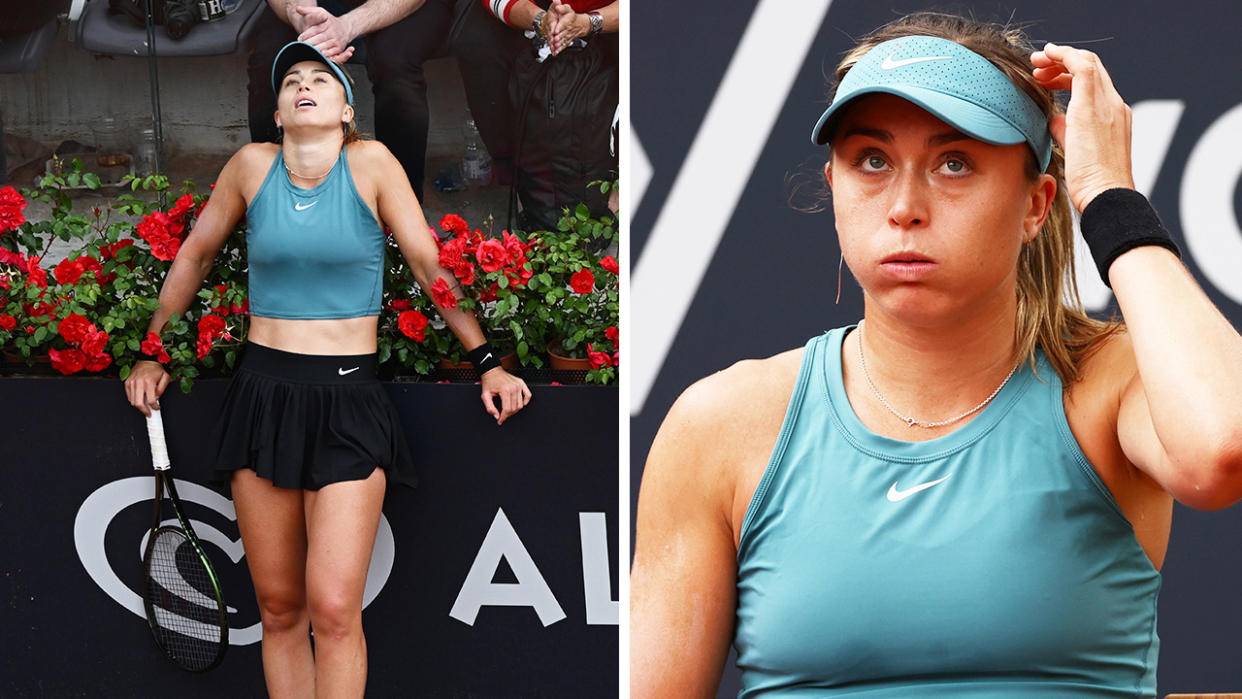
75 501
769 272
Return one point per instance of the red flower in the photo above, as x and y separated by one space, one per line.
75 327
11 197
583 281
492 255
153 227
203 346
94 342
453 258
11 205
442 295
613 334
7 322
610 263
99 362
211 327
152 345
37 275
490 294
454 223
517 249
68 361
400 304
413 324
109 251
182 207
9 257
598 360
165 248
68 271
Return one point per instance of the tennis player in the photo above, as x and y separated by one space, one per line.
308 436
968 493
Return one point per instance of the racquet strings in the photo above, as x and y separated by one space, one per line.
182 596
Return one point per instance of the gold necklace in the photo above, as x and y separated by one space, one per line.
911 422
305 177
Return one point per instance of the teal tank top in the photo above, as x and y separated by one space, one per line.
313 253
990 562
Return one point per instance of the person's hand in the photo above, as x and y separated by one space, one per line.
1094 132
512 391
328 33
146 383
567 25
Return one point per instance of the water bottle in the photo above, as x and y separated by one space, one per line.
476 164
144 153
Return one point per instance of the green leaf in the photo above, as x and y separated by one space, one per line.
186 384
74 179
91 180
523 349
125 372
40 334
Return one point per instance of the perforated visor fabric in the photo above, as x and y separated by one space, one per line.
958 86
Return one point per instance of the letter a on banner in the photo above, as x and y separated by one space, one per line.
531 590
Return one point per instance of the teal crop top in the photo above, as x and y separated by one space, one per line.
313 253
990 562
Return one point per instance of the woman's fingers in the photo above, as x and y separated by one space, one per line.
489 404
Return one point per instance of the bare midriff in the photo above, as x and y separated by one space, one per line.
331 336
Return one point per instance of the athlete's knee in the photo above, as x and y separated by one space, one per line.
283 611
334 614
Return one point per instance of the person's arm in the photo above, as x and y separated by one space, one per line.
286 10
332 35
683 580
1179 415
568 25
519 14
399 209
147 380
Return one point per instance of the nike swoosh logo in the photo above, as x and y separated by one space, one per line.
485 358
895 495
343 372
299 207
890 64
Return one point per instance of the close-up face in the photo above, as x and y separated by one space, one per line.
311 94
930 220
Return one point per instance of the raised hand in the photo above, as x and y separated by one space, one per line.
328 33
1094 132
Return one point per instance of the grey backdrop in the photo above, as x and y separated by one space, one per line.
769 282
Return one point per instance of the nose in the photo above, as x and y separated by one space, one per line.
908 202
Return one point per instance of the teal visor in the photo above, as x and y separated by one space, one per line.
957 85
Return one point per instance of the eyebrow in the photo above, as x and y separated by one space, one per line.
298 72
885 136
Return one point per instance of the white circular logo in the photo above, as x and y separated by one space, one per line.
90 528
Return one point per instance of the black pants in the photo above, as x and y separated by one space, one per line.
485 48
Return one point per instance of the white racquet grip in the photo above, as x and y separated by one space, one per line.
159 450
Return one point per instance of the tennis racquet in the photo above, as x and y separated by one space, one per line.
180 590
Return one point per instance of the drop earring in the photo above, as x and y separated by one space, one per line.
840 266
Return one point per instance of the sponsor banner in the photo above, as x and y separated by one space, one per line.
727 268
497 576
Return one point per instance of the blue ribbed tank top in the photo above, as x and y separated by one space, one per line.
313 253
1016 574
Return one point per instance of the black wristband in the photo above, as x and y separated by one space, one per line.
1117 221
483 358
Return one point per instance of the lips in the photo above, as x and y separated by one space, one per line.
908 265
305 102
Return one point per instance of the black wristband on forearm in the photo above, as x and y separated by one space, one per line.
483 358
1117 221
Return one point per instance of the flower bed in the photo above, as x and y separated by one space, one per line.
89 313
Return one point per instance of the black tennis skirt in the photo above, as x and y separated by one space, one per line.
305 420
